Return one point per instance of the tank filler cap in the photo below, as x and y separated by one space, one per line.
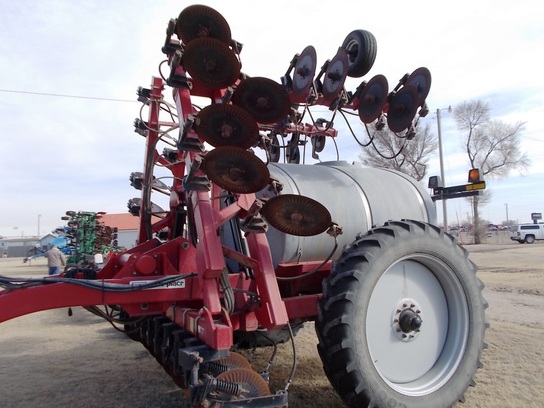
334 163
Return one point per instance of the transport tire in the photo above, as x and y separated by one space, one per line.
530 239
402 319
361 46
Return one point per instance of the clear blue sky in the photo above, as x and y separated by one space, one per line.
60 153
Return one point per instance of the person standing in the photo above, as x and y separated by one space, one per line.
55 259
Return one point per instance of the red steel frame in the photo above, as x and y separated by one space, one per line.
195 303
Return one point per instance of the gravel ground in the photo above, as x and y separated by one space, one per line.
51 360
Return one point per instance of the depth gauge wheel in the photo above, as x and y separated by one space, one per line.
361 46
402 319
294 154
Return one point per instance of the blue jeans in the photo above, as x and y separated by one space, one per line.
54 270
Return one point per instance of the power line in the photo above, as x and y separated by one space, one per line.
533 139
66 96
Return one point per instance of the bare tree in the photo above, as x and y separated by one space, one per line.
491 145
407 155
478 201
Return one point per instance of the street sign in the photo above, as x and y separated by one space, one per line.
464 190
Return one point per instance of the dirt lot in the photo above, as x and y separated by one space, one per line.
51 360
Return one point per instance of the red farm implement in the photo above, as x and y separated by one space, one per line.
249 248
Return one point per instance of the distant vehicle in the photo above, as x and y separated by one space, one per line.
38 252
528 233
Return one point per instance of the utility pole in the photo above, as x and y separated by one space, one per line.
441 157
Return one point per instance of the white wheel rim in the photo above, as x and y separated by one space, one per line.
424 363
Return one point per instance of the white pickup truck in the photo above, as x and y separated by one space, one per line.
528 233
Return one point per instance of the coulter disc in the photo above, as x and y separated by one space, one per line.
199 21
236 170
296 215
227 125
250 382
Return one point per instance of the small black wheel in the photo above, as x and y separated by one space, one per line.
402 319
294 154
319 143
274 149
361 47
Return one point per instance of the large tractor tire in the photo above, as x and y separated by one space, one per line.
402 319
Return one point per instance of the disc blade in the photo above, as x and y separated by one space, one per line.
304 74
211 62
421 79
199 21
402 109
335 75
373 99
236 170
251 383
266 100
227 125
234 360
296 215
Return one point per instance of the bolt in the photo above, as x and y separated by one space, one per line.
335 76
296 217
405 305
203 32
303 71
210 65
404 336
398 329
262 102
226 131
